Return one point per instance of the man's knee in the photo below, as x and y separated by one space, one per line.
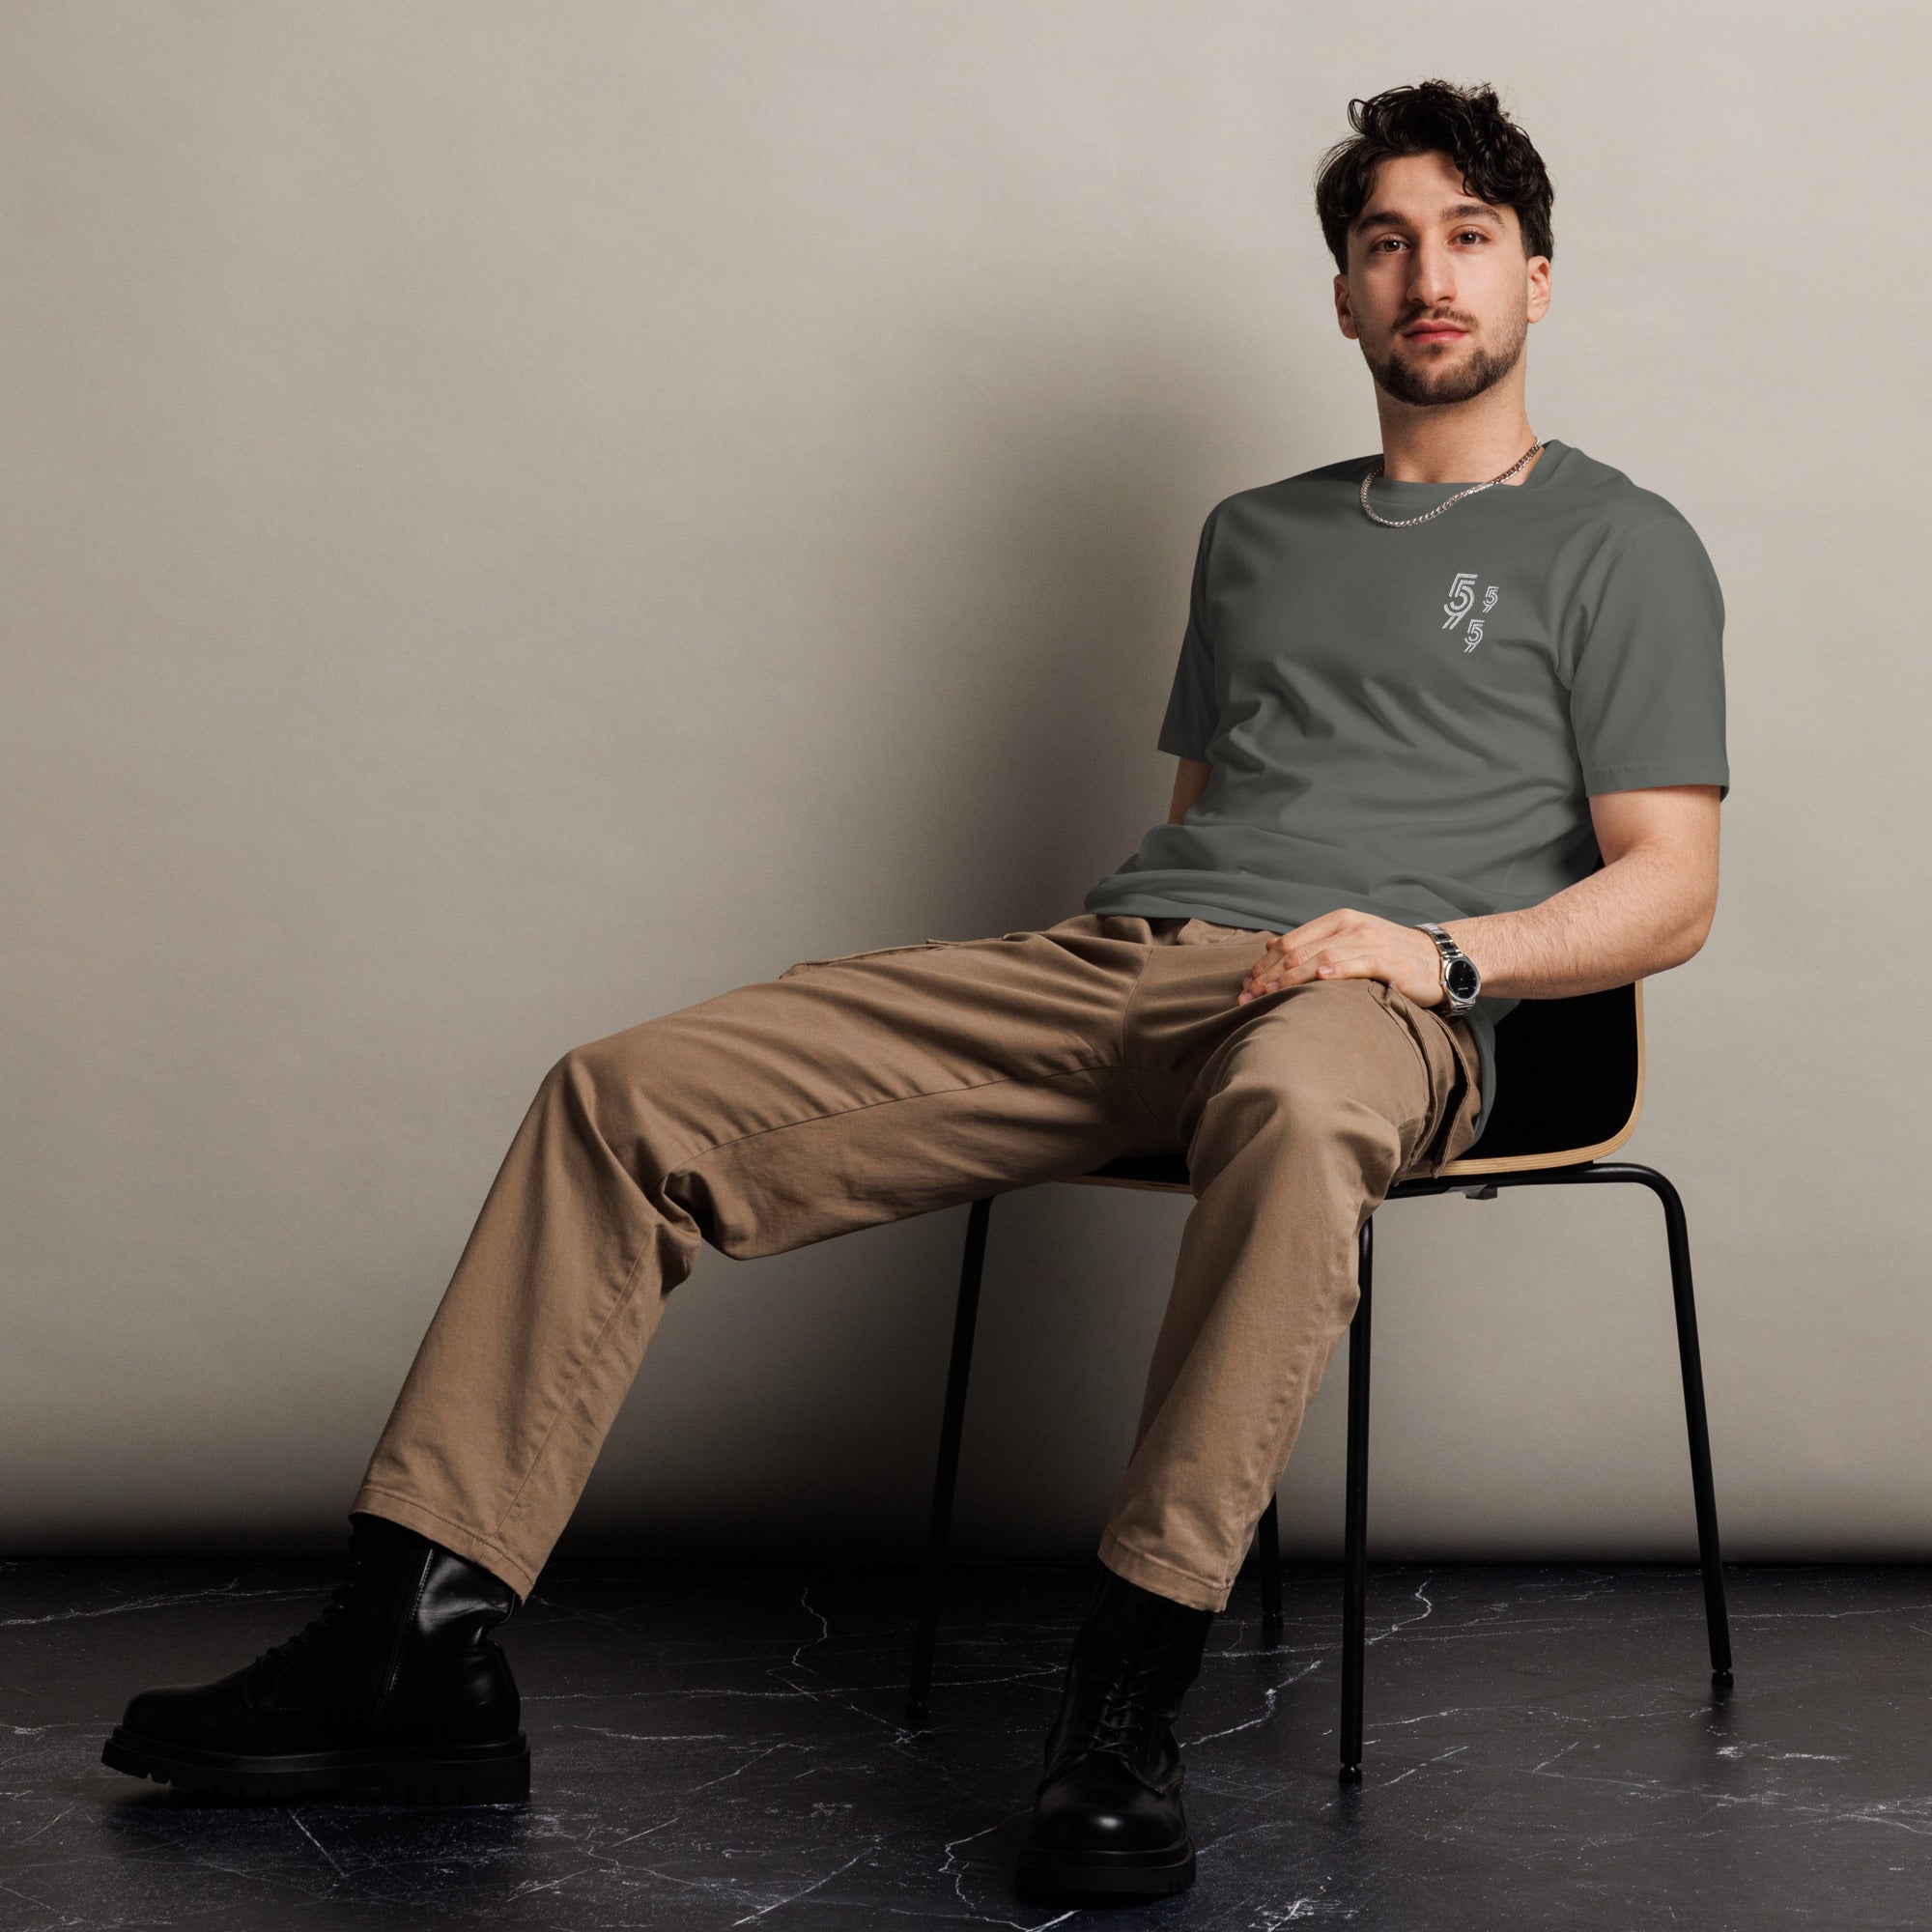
607 1084
584 1071
620 1059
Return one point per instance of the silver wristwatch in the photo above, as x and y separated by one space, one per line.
1461 982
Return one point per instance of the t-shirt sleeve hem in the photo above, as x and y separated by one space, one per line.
1637 778
1177 749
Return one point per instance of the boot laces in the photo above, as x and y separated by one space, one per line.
1115 1725
320 1627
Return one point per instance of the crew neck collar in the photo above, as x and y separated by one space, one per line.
1541 471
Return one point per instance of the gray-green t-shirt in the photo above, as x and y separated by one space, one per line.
1410 721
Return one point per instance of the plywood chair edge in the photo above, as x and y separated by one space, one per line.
1518 1163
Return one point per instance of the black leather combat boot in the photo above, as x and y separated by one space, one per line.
1107 1824
393 1690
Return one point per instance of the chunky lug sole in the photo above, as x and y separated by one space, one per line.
1066 1874
397 1773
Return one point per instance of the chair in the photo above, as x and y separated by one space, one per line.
1570 1084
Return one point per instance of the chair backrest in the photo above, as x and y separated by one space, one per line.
1569 1082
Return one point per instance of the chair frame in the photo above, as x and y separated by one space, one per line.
1478 1178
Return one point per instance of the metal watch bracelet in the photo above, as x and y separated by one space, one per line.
1453 1004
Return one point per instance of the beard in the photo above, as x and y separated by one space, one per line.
1415 378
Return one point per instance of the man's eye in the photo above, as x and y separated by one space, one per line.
1470 235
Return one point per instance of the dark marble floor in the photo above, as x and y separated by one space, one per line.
719 1747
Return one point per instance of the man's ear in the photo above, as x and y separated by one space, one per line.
1343 314
1539 287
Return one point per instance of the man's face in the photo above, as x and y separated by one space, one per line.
1438 292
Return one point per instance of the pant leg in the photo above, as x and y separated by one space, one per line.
1299 1111
842 1093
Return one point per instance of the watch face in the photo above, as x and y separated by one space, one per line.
1464 978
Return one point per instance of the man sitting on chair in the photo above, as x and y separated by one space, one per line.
1450 724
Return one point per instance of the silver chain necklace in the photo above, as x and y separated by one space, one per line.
1403 523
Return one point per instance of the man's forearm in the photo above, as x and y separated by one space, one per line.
1641 914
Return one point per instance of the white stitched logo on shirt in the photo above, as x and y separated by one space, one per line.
1463 600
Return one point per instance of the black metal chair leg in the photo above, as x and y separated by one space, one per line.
1269 1538
1689 1362
1715 1618
946 1475
1355 1532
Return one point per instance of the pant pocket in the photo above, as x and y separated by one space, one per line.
848 958
1460 1104
1208 932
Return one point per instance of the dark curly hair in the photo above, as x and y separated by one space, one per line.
1466 123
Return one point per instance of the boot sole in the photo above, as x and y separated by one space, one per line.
1049 1874
393 1774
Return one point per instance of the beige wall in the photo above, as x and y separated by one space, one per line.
518 518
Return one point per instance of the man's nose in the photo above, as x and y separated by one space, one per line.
1432 277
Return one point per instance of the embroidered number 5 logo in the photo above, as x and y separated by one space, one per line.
1463 600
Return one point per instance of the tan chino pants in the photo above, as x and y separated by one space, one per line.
851 1091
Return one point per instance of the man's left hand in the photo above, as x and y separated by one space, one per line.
1349 945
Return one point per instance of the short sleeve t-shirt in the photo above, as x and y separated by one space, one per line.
1412 721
